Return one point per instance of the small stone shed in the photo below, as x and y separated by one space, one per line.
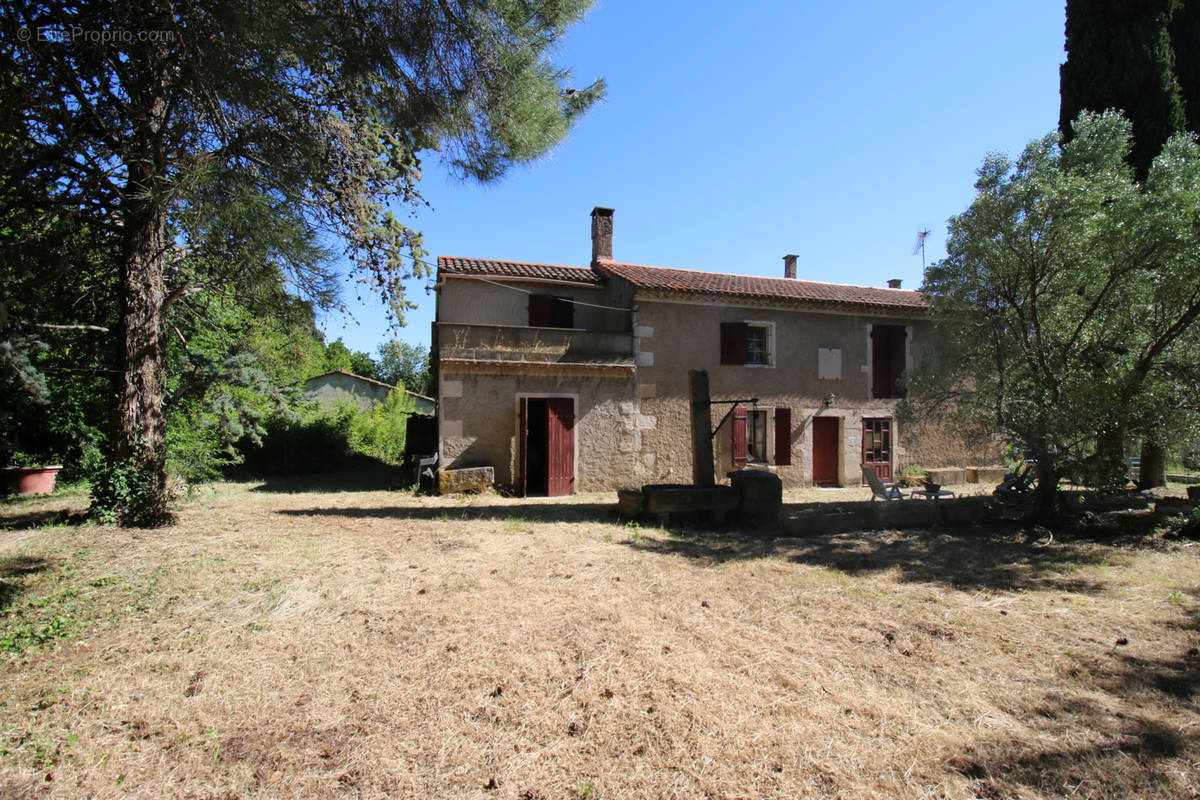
340 385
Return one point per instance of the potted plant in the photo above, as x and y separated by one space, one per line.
913 477
28 474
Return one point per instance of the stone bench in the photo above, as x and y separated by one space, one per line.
470 479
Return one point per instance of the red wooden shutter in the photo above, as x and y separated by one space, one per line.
898 337
733 342
540 310
739 436
560 446
783 436
887 360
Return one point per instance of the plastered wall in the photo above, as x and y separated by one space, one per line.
471 301
335 388
478 419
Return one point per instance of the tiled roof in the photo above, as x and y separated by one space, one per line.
513 269
717 284
665 281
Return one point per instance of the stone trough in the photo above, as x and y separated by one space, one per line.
754 495
665 499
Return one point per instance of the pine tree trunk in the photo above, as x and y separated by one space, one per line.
139 427
1153 471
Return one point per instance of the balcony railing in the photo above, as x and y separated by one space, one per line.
548 345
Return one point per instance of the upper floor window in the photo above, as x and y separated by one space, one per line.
747 343
887 360
548 311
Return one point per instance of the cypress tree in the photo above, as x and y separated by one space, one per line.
1120 55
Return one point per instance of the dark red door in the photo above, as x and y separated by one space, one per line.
877 446
560 446
825 451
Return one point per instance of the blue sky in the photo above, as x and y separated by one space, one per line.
730 138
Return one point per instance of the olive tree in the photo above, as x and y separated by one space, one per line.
1069 297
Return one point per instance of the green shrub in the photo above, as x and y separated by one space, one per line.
380 431
127 493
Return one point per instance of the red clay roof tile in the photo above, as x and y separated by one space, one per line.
666 281
514 269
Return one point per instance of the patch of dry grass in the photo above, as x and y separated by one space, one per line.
374 644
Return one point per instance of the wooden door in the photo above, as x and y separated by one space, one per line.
523 445
560 446
877 446
825 451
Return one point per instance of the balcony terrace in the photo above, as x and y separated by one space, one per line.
520 345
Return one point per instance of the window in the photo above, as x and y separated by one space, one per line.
547 311
751 431
756 345
746 343
887 360
756 437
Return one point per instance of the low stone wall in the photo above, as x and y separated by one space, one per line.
818 519
986 474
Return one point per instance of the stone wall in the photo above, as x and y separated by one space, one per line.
478 415
671 338
941 442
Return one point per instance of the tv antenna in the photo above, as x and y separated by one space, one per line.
922 235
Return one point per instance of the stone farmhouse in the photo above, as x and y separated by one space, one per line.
568 378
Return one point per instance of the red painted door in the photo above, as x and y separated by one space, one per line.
825 451
877 446
560 446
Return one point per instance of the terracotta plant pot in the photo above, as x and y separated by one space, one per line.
31 480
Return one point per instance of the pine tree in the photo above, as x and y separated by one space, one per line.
224 143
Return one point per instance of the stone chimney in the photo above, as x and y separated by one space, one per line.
789 266
894 283
602 234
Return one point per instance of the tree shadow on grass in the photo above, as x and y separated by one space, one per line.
1000 557
1125 755
533 512
358 475
40 519
1133 729
13 570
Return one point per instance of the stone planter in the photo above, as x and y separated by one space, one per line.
31 480
629 503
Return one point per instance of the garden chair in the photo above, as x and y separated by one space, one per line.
888 491
1017 483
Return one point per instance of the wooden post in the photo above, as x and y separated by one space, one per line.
702 451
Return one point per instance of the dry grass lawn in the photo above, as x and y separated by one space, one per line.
279 644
